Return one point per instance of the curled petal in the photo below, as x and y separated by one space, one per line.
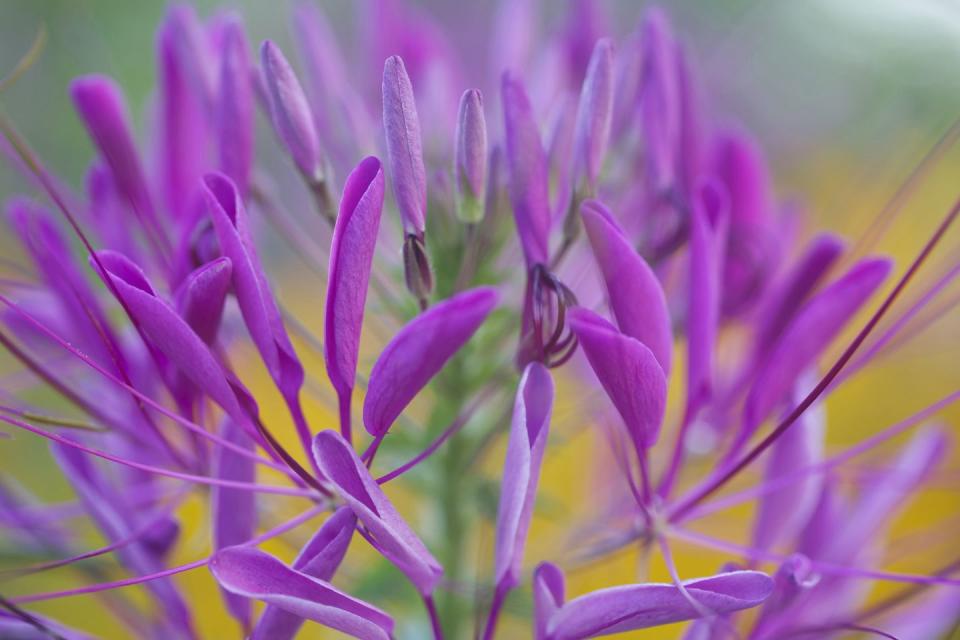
252 573
640 606
234 106
527 164
418 352
202 297
390 534
351 254
628 372
290 111
594 115
815 326
521 471
404 146
257 304
319 558
548 596
636 297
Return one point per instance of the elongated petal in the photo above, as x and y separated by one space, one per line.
168 331
234 511
628 372
786 299
548 595
783 512
202 297
419 351
253 574
640 606
290 111
527 165
660 107
594 115
636 297
319 558
100 104
404 146
812 330
257 304
707 239
351 254
181 113
392 536
521 471
470 157
234 106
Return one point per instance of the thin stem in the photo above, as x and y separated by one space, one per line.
434 618
343 402
499 596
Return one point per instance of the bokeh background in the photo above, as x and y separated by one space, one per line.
846 96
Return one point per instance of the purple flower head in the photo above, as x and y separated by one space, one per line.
470 157
290 112
253 574
418 352
387 531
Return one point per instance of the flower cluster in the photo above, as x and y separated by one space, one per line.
574 224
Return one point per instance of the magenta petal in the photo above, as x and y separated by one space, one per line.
100 104
319 558
636 297
351 254
782 513
419 351
521 471
548 596
815 326
594 115
257 305
234 106
234 511
660 106
527 164
392 536
641 606
252 573
290 111
708 235
628 372
202 296
404 146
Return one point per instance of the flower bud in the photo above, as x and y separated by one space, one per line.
404 146
470 157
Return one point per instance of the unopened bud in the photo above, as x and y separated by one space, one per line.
470 157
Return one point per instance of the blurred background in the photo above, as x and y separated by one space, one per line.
847 97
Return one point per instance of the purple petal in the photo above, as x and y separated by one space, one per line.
253 574
548 596
257 305
815 326
783 512
100 104
234 511
404 146
351 255
202 297
234 106
641 606
419 351
707 239
527 163
628 372
660 107
793 578
636 297
181 111
594 116
521 471
783 302
290 111
393 537
470 157
319 558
